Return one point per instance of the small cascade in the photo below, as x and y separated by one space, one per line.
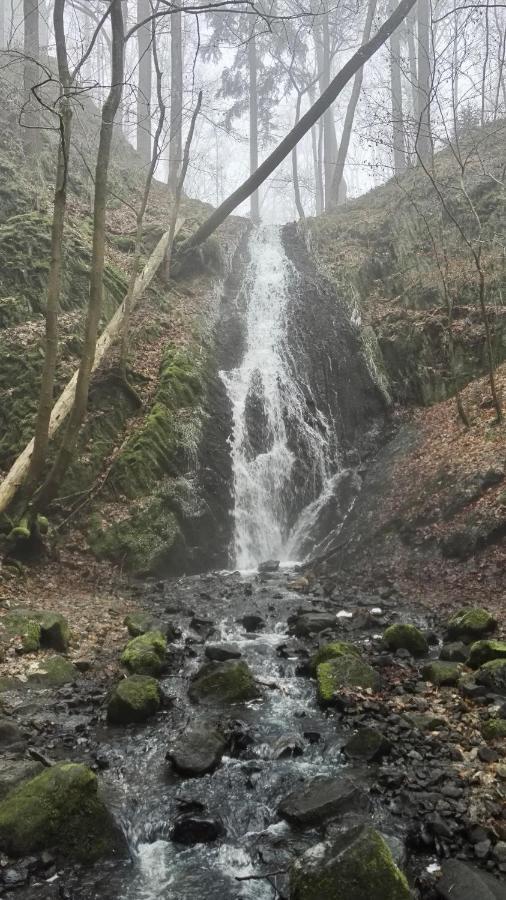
276 421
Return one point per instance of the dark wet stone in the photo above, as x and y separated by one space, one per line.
288 745
11 736
367 744
492 675
270 565
460 881
312 623
455 651
222 652
323 798
14 771
225 682
252 622
197 752
196 830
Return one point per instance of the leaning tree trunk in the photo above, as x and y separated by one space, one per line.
41 434
66 451
144 87
398 133
350 112
294 136
31 75
423 143
253 123
176 100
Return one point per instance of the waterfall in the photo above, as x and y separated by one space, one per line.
275 418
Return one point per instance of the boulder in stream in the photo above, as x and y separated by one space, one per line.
224 682
59 810
323 798
134 699
222 652
406 637
357 864
196 830
270 565
344 673
145 654
307 624
197 751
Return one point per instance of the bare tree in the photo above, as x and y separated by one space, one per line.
31 74
145 77
176 100
398 132
424 82
253 122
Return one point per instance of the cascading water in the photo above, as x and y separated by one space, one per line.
270 415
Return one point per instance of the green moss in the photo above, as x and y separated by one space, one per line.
484 651
145 654
407 637
55 671
493 675
139 623
442 673
134 699
333 651
39 629
58 810
226 682
358 864
342 673
493 729
470 624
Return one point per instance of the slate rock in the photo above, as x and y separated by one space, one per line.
323 798
222 652
197 751
367 744
308 624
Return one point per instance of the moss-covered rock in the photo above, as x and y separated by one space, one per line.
139 623
334 650
356 865
342 673
484 651
406 637
59 810
145 654
134 699
38 628
224 682
494 728
54 671
442 673
14 771
493 676
470 624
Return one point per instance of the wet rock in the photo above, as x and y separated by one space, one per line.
460 881
301 585
222 652
484 651
226 682
470 624
197 751
323 798
134 699
14 771
308 624
252 622
357 864
196 830
493 729
492 675
11 736
342 673
455 651
406 637
442 673
139 623
39 629
55 671
145 655
270 565
59 810
367 744
333 650
288 745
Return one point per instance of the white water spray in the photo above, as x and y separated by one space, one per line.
267 405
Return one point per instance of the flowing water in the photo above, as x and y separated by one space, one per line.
269 403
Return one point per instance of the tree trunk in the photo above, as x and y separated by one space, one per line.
398 133
329 137
295 167
318 181
176 100
423 143
31 75
144 88
180 184
41 434
306 122
253 124
78 412
350 112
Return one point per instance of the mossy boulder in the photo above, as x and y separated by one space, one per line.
406 637
334 650
145 654
59 810
225 682
134 699
14 771
455 651
470 624
54 671
38 628
494 728
139 623
343 673
484 651
493 676
442 674
357 864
